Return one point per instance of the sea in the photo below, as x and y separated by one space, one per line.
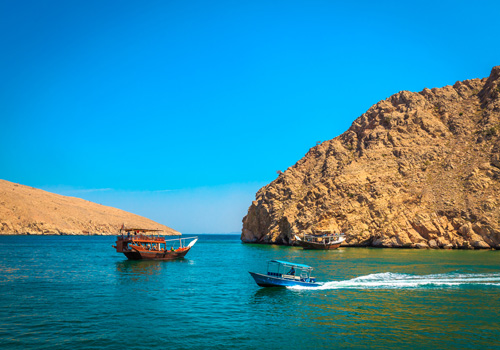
76 292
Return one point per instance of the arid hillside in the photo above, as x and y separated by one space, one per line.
27 210
417 170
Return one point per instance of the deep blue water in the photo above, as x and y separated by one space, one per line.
59 292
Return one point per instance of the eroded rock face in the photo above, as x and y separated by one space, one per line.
417 170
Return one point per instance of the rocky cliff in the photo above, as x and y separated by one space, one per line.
27 210
416 170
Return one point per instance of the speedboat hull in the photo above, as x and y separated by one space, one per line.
271 281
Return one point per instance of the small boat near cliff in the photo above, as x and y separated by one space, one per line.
324 241
285 274
146 244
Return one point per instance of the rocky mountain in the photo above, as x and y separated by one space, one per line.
27 210
419 170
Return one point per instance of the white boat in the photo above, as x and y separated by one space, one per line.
321 242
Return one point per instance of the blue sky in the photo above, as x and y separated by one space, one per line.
181 110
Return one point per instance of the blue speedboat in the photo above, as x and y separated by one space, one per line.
285 274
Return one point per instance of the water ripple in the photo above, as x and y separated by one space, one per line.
76 292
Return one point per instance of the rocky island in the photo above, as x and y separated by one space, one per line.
417 170
27 210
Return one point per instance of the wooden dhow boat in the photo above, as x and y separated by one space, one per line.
146 244
285 274
324 241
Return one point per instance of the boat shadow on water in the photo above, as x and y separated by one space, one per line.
269 296
145 267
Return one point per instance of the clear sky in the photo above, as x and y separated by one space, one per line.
181 110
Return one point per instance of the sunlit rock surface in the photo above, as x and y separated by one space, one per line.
27 210
417 170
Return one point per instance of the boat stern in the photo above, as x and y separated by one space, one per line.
119 246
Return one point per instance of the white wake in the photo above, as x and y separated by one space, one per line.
389 280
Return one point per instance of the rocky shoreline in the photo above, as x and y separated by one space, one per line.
417 170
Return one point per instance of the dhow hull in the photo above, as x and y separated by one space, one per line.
135 255
318 246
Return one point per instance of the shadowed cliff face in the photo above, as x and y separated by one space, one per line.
416 170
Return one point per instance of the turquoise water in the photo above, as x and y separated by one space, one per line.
59 292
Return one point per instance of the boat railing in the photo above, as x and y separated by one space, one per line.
182 239
152 238
142 238
323 239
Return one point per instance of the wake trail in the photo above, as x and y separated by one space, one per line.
389 280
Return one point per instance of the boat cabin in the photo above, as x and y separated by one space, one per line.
290 271
324 238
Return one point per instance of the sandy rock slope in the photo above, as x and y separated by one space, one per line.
416 170
27 210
